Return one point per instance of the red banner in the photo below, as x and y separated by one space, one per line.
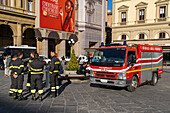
57 15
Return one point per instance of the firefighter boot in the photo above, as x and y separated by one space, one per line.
20 96
53 94
40 97
33 96
15 96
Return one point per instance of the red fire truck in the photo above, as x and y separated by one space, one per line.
126 66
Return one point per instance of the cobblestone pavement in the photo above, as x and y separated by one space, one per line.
81 98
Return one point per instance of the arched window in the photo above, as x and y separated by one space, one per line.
141 36
123 37
162 35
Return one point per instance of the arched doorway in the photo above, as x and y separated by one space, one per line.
29 38
6 36
53 38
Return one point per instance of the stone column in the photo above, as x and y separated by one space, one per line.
103 21
63 48
106 9
39 45
19 34
33 5
14 40
18 4
26 4
45 47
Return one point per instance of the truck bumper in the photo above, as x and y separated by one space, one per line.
109 82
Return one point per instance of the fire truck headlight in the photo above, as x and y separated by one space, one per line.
92 73
122 76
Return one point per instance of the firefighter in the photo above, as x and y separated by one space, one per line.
29 74
54 69
36 70
17 75
12 90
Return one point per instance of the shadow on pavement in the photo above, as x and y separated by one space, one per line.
107 87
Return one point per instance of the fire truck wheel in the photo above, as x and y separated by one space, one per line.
154 79
133 85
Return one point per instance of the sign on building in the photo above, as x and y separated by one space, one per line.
57 15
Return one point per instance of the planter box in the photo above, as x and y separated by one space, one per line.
70 72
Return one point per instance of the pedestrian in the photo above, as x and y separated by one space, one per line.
29 74
36 70
5 62
7 65
54 69
17 67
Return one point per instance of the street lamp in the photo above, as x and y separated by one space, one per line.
71 42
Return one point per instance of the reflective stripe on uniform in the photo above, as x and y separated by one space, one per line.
22 73
36 72
15 67
55 71
52 89
11 90
35 69
20 66
57 87
40 91
57 62
20 91
15 90
28 84
30 61
33 90
15 73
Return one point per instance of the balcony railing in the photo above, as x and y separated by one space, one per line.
17 10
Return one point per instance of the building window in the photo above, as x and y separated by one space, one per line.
142 14
162 35
163 12
141 36
29 5
123 16
89 19
123 37
4 2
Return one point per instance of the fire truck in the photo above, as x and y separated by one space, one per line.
126 66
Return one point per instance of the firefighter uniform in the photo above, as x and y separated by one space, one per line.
54 81
16 67
11 90
29 75
36 70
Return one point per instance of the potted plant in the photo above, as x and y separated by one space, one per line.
73 65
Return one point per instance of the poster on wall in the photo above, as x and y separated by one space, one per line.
58 15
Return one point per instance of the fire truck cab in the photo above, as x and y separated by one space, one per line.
126 66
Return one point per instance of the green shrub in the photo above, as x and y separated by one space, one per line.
73 64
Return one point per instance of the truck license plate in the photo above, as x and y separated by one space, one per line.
102 80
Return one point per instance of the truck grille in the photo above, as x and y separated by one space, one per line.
105 74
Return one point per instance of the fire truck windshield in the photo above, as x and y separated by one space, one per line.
112 57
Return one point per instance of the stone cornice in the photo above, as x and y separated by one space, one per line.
138 25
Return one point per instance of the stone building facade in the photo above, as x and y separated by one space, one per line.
17 22
142 22
89 30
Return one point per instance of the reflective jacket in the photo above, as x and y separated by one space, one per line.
17 67
36 67
29 61
54 65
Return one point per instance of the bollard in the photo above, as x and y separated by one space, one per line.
47 76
